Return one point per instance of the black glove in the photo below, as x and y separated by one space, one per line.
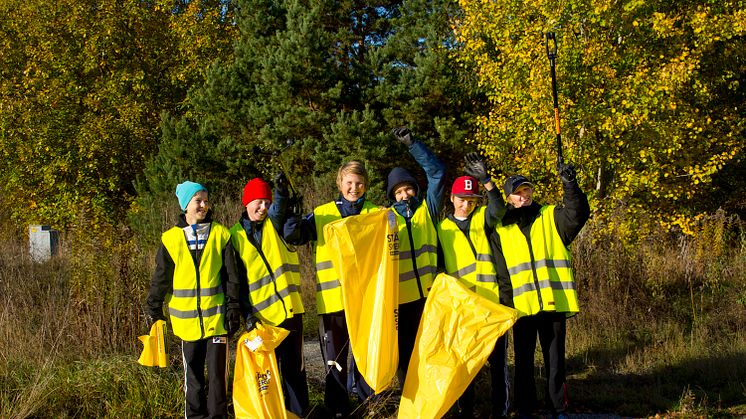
476 167
281 183
232 321
295 205
403 135
566 173
251 323
151 318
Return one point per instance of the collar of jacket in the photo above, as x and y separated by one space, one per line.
347 208
522 216
401 206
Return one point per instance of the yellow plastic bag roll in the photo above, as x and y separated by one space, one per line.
457 333
257 388
154 346
367 264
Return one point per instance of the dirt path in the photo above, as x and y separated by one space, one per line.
315 373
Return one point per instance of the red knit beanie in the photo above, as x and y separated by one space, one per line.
256 189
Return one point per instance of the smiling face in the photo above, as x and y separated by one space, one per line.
522 197
258 209
196 210
463 206
352 187
404 191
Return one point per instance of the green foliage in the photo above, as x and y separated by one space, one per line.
650 94
330 78
81 92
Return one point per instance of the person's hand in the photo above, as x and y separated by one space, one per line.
251 323
151 318
566 173
476 167
232 321
403 135
281 183
295 206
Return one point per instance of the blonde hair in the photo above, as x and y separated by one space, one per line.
356 168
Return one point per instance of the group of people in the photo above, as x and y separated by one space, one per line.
217 280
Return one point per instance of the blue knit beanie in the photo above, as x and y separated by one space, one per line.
185 191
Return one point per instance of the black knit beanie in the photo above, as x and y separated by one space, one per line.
397 176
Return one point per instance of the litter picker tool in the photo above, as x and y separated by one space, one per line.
295 202
552 55
296 199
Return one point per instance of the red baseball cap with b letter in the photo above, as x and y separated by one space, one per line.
465 187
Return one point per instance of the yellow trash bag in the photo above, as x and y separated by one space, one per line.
367 263
257 388
457 333
154 346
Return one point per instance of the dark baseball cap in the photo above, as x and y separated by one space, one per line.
514 182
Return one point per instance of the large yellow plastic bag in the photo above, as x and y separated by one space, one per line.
457 333
367 264
257 388
154 346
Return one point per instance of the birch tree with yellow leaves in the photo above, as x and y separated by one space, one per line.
651 100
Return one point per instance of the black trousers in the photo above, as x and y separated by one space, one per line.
551 328
499 383
408 322
340 380
292 367
205 400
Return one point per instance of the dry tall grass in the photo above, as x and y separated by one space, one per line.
661 328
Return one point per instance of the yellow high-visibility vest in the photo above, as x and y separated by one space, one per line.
328 288
477 272
195 304
541 276
273 275
418 248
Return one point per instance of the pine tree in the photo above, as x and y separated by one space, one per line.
332 78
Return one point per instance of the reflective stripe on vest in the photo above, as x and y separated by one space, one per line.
477 272
541 277
274 290
195 305
416 285
328 287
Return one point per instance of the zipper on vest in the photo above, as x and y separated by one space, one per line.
274 280
533 272
408 221
468 238
197 263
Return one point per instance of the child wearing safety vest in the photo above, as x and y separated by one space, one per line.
269 273
532 252
418 241
464 238
352 182
203 307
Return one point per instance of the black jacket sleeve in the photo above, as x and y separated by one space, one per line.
229 277
573 214
495 208
242 288
161 283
